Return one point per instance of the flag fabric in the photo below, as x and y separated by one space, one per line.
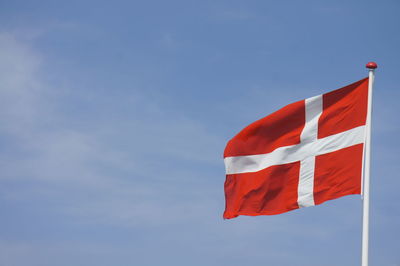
302 155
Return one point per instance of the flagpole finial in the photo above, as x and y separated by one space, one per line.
371 65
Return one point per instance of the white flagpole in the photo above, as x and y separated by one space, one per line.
367 166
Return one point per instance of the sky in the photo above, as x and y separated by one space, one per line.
115 114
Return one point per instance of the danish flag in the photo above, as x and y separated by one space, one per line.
302 155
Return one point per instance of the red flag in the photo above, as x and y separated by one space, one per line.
302 155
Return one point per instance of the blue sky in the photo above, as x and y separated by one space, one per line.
114 117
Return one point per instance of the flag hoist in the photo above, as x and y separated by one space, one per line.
304 154
366 181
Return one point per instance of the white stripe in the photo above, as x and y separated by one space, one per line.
305 189
313 112
294 153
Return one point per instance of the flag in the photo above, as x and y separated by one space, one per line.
302 155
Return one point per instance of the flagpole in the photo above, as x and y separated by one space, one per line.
365 231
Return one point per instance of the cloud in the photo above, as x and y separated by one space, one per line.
18 83
123 166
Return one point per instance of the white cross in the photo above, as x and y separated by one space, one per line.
305 152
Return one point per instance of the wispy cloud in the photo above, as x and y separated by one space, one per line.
128 165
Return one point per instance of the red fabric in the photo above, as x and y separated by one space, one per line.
338 174
344 109
270 191
274 190
281 128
